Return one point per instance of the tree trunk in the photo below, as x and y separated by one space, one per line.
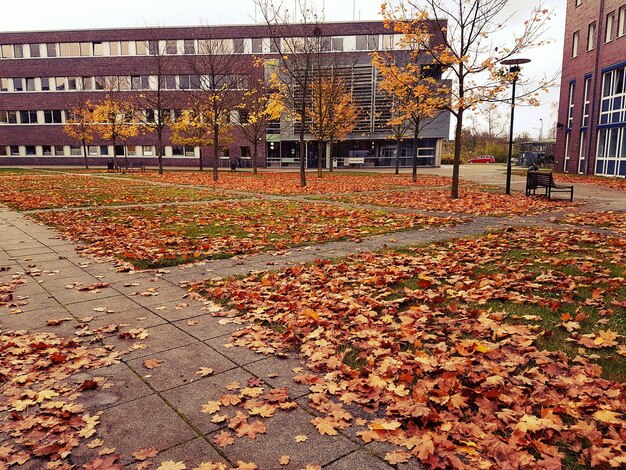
320 152
330 156
114 155
160 148
302 157
254 156
85 153
215 152
415 134
398 150
457 155
126 153
200 151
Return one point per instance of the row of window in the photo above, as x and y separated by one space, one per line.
611 30
94 150
187 47
123 83
57 116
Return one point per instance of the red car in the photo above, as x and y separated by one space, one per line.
483 159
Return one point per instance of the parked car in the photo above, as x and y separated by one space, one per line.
483 159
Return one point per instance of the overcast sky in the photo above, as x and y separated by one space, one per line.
73 14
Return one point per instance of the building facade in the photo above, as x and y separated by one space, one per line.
591 126
43 75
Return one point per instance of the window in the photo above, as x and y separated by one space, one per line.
149 115
153 47
18 84
132 151
60 83
18 51
46 150
185 83
15 150
74 49
75 150
4 117
570 109
336 44
582 151
613 104
28 117
189 151
177 150
125 47
87 83
575 41
367 43
51 50
621 21
114 48
147 151
65 49
579 3
11 117
59 150
35 50
3 151
45 84
257 46
189 46
98 48
171 47
238 46
140 47
85 49
169 82
4 84
7 51
586 102
140 82
608 33
92 150
31 150
591 36
30 84
72 83
104 150
53 116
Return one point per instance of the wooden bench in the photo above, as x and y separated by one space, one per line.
542 179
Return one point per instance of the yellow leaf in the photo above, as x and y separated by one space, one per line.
608 417
46 395
283 460
311 313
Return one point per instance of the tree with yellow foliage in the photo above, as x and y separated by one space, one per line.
114 119
191 129
331 112
259 105
79 125
458 36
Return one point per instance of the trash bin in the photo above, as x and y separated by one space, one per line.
110 168
233 165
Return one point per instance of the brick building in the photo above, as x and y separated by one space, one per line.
42 75
591 126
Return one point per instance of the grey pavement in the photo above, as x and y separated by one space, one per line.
161 407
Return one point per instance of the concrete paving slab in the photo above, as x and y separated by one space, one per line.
359 459
180 365
278 373
191 453
33 319
178 310
115 303
238 355
205 327
160 338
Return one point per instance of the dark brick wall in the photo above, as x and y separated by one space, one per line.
588 62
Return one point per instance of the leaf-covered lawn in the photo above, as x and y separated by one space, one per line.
150 237
471 201
289 183
45 191
613 183
504 351
615 221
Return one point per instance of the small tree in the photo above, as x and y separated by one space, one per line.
114 120
191 129
258 106
331 112
80 126
399 126
459 35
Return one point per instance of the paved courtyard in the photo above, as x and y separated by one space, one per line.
176 355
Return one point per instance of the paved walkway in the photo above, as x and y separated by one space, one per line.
161 407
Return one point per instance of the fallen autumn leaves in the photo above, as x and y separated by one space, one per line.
417 340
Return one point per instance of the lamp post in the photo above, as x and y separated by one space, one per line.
541 131
514 68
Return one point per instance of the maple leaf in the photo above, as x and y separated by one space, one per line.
301 438
104 463
95 443
325 426
608 417
224 439
384 425
397 457
171 465
211 407
265 411
230 400
204 371
241 465
46 395
284 460
152 363
251 430
210 466
145 453
106 451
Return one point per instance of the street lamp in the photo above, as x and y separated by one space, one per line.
541 131
514 69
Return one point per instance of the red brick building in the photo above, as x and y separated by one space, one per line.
43 73
591 126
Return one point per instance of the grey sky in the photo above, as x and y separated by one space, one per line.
72 14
